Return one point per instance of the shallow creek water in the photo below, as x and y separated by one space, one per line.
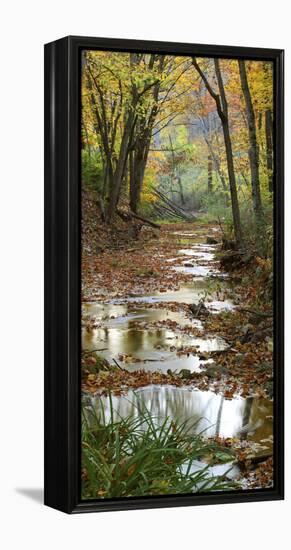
205 411
129 327
139 334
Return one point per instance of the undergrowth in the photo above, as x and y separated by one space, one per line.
134 456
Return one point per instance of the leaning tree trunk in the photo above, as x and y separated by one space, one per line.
223 113
269 147
254 147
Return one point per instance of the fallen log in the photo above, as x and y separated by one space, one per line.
163 211
252 462
126 216
145 220
253 312
172 206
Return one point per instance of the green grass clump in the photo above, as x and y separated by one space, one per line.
133 456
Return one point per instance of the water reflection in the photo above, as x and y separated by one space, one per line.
205 411
149 349
188 293
196 270
120 329
120 315
201 253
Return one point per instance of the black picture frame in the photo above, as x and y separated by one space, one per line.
62 273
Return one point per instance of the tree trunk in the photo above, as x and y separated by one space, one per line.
216 163
137 169
117 178
182 198
269 147
209 179
260 120
222 111
223 114
142 138
254 147
232 185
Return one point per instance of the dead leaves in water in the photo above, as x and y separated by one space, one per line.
120 381
128 270
246 368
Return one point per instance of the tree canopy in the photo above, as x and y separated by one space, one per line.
199 130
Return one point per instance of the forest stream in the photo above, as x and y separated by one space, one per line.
144 332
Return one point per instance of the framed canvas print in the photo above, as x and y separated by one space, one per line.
163 274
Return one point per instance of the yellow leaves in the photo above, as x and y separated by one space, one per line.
147 196
263 263
160 485
90 381
260 78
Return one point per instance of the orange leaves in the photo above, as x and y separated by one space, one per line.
120 381
91 360
264 264
131 470
114 266
262 476
250 358
228 394
122 269
91 378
